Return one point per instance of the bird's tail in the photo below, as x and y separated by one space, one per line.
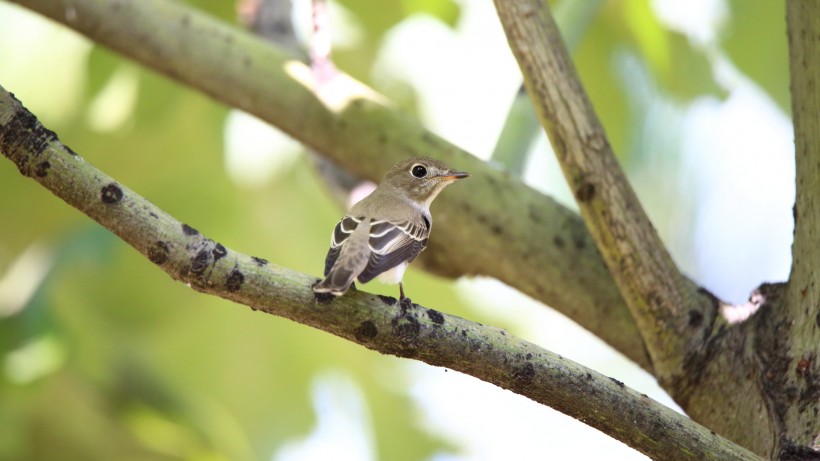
337 282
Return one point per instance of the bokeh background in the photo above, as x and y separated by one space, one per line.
102 356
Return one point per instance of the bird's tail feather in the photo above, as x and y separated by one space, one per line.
337 282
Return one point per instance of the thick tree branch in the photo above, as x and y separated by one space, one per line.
673 316
498 214
804 56
799 346
376 322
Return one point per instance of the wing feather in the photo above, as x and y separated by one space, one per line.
341 232
392 243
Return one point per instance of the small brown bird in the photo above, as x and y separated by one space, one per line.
386 230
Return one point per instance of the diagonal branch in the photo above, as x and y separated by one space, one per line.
376 322
671 313
547 252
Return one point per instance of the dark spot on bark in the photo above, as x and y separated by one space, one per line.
188 230
793 452
503 333
389 300
585 192
200 262
71 151
111 194
366 331
41 170
524 376
260 261
579 241
158 254
463 332
406 329
219 252
435 316
235 280
24 139
323 298
619 383
558 242
408 304
794 213
497 229
695 318
153 215
529 356
817 319
803 366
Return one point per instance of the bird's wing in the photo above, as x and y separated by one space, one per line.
341 232
392 243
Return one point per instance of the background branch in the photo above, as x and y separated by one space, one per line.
376 322
562 268
672 315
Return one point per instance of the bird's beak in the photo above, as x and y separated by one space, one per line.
453 175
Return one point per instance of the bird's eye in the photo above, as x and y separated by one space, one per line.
418 171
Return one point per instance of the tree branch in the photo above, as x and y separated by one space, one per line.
497 213
804 56
376 322
798 340
672 315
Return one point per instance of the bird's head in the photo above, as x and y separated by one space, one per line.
421 178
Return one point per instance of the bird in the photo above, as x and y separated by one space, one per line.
385 231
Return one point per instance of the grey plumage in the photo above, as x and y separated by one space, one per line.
388 229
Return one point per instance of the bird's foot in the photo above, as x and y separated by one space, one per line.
405 303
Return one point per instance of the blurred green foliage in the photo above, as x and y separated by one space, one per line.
111 359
